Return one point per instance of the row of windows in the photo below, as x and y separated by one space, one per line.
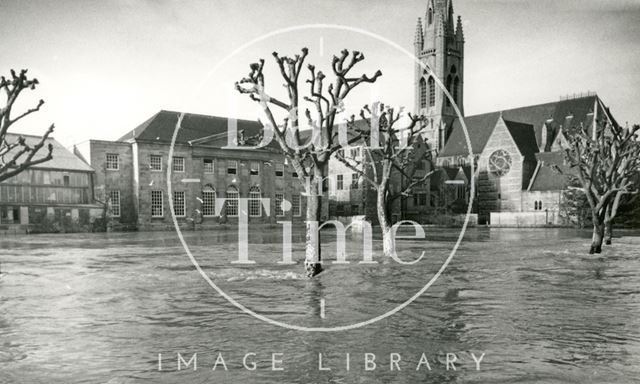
178 165
30 194
353 153
43 177
208 203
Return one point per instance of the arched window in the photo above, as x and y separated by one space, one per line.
430 16
540 205
255 209
208 201
448 85
462 162
535 205
432 92
423 93
232 201
456 89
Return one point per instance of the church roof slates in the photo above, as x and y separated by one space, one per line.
481 126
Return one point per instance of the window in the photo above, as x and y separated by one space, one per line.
415 199
114 199
232 167
423 199
232 201
279 199
208 201
65 180
423 93
354 181
255 210
157 210
432 92
155 163
430 16
456 89
462 162
279 170
208 165
255 168
113 162
178 164
294 174
354 152
538 205
178 203
295 205
340 182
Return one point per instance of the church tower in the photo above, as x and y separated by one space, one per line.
439 44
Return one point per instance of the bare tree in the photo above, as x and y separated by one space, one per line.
16 155
311 160
397 157
605 162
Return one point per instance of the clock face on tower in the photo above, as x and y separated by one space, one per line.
500 163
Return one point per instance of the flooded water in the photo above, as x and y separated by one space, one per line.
108 308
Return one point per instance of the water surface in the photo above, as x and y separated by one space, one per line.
96 308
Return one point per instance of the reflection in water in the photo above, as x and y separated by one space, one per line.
100 308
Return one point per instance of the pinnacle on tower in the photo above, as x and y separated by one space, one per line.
419 39
459 32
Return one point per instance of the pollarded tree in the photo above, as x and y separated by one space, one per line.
16 154
400 154
605 163
311 159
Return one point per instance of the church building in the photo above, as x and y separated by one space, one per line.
516 153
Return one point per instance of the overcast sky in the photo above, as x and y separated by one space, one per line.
106 66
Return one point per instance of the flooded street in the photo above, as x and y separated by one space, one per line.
108 308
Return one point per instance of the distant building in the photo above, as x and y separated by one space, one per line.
56 195
132 174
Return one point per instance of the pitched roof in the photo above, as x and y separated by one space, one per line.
525 138
62 159
160 127
551 172
481 126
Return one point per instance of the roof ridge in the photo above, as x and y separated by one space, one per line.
531 106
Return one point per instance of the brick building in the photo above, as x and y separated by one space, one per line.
132 173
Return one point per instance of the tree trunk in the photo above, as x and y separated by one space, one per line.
608 232
596 240
312 260
388 241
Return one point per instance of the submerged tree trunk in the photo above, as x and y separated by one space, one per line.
608 232
596 240
388 241
312 260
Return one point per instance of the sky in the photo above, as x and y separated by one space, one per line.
106 66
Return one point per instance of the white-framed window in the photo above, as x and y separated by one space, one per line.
232 167
339 182
178 203
295 205
279 170
278 204
178 164
155 162
254 168
114 198
231 203
354 180
157 209
113 161
208 201
208 165
255 208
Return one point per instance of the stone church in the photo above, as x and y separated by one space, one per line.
515 153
